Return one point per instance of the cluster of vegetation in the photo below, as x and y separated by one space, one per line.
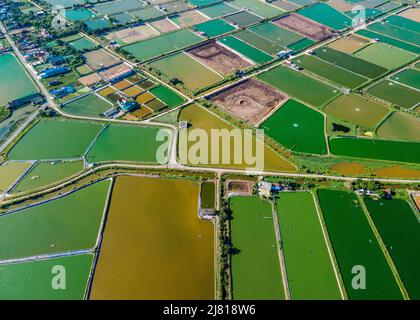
4 113
225 250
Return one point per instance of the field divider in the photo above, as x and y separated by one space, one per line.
280 250
384 249
99 239
333 259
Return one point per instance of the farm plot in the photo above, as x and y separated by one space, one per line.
45 173
255 269
349 43
409 77
243 19
100 59
164 25
330 71
170 250
310 271
389 40
247 50
147 13
250 100
404 23
168 96
117 6
200 118
395 93
258 7
357 109
301 44
214 28
188 19
193 74
400 126
40 230
398 151
412 14
32 280
83 44
55 139
160 45
298 128
130 35
354 64
307 27
90 105
290 81
391 217
326 15
219 58
276 34
385 55
355 244
126 143
10 172
392 31
258 42
175 6
218 10
285 5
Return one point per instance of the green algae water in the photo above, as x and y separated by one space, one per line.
33 280
10 172
66 224
20 86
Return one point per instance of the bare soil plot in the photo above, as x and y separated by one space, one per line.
219 58
90 80
250 100
349 44
341 5
164 25
100 59
130 35
304 26
188 19
412 14
114 72
240 187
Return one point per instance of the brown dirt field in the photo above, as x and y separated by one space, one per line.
397 172
250 100
349 168
304 26
99 59
219 58
141 112
121 85
115 71
340 5
133 91
130 35
164 25
412 14
90 79
349 44
189 19
238 187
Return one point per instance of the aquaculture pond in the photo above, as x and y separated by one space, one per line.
355 245
155 247
399 228
298 128
200 118
89 106
32 280
256 269
399 151
290 81
69 223
208 195
55 139
21 85
45 173
127 143
310 271
10 173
